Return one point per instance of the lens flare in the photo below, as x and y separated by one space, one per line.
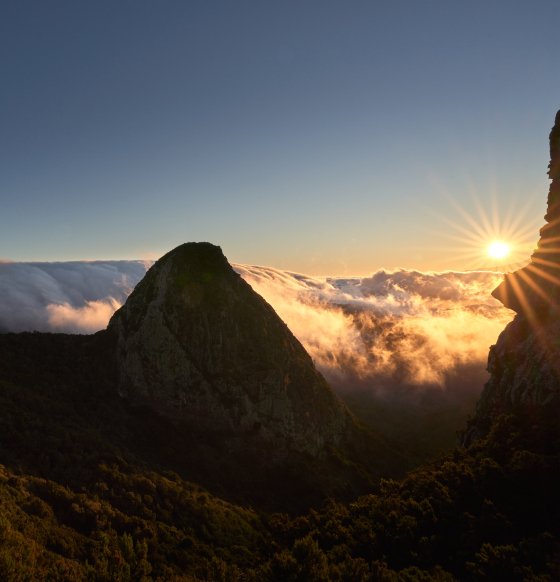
482 239
498 250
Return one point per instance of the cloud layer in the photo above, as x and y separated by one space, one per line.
392 328
69 297
406 350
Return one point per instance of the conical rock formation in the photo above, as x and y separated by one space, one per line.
525 362
196 343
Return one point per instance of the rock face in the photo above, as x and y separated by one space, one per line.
525 372
525 362
196 343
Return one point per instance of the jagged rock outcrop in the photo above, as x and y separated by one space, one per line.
196 343
525 362
525 372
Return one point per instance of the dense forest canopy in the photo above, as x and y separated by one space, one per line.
91 500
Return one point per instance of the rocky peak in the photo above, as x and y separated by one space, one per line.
196 343
525 362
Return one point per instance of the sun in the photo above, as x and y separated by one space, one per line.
498 250
492 240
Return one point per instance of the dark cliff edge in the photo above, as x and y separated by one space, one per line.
525 362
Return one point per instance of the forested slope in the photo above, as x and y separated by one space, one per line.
487 512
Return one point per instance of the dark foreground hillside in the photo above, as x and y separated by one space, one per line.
62 416
488 512
79 464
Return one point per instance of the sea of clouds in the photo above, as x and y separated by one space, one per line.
393 332
403 326
406 350
67 297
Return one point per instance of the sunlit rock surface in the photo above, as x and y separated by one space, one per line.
196 343
525 362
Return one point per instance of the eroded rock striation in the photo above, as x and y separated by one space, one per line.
196 343
525 362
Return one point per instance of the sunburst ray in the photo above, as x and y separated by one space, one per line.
486 234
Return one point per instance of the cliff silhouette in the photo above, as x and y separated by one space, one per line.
525 362
534 291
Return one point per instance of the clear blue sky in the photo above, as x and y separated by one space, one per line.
315 136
